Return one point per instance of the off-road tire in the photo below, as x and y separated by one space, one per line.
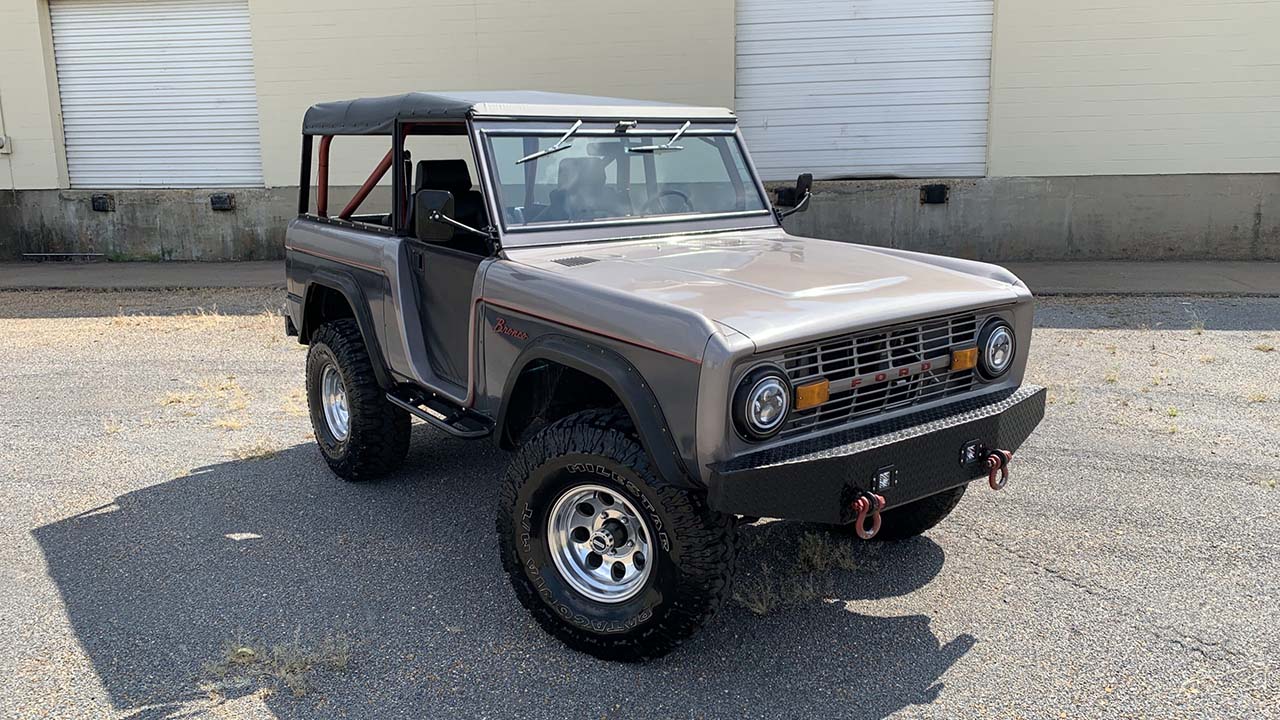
378 438
691 573
917 517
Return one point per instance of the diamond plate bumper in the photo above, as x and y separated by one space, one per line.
920 453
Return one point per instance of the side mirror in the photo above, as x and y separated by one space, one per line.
797 197
428 206
804 184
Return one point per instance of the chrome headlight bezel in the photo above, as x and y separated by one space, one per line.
754 385
997 349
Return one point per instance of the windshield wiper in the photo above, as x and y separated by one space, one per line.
668 146
561 144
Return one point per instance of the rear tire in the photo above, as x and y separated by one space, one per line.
685 579
361 435
917 517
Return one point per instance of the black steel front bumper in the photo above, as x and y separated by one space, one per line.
917 454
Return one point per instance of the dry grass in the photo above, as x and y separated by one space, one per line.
820 552
291 664
230 422
295 403
804 575
764 592
224 393
259 449
1264 347
1258 397
111 426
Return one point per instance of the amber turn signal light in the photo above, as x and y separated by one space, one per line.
966 359
816 393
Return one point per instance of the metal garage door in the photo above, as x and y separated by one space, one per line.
846 88
157 93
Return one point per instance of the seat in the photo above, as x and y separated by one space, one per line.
453 176
581 193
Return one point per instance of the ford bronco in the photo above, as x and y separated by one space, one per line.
603 287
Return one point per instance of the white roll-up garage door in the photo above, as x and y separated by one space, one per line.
157 93
849 88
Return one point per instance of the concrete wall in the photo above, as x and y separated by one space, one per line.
1137 217
1134 86
156 224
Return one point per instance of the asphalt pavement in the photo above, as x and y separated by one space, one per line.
171 544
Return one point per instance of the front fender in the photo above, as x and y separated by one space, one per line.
623 379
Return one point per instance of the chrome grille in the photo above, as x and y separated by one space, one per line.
847 356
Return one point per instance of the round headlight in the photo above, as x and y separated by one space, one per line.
761 404
997 346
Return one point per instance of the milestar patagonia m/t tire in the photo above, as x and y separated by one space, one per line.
915 518
360 434
604 553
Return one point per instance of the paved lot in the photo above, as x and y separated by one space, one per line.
171 544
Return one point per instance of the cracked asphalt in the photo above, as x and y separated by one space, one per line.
166 524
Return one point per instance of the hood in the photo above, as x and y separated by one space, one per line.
776 288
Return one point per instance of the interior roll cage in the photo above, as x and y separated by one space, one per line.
401 180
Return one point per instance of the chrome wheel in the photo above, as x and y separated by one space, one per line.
333 397
600 543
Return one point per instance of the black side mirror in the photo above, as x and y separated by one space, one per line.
797 198
804 184
428 207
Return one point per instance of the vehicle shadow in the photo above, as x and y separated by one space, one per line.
161 583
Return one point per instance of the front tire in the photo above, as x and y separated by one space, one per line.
361 435
669 556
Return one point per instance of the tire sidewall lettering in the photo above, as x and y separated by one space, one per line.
534 555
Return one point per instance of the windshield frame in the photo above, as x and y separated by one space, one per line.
624 227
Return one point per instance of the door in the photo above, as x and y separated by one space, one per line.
864 87
444 272
444 278
157 93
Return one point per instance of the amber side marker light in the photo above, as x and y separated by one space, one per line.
816 393
966 359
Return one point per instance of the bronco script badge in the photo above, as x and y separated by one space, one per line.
501 327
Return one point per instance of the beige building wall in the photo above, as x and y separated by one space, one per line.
308 51
29 114
1135 87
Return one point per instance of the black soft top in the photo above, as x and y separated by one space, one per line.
377 116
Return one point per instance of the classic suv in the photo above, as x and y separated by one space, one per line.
602 287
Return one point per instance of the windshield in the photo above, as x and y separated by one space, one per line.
563 175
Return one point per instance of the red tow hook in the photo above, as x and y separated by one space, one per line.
997 463
868 503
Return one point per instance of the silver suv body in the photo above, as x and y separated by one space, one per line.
583 273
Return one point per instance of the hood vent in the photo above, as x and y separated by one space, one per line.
575 261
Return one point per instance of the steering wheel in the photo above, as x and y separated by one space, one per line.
655 203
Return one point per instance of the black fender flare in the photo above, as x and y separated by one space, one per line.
347 286
623 379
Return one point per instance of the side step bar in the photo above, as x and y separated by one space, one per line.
450 418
